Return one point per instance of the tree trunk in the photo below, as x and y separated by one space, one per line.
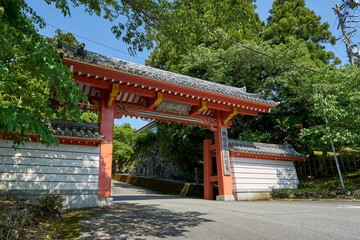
322 163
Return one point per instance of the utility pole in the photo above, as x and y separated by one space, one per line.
346 38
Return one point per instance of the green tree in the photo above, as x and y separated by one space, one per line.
337 92
291 19
240 67
182 145
69 38
60 36
201 22
122 147
140 17
32 76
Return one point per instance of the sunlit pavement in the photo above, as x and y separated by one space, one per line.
142 214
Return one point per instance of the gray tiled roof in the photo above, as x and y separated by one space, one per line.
82 55
264 149
66 128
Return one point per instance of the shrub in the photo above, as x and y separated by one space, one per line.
13 222
51 205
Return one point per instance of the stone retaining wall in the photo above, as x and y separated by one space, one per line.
336 194
163 186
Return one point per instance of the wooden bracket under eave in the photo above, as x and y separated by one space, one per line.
198 109
113 94
153 103
234 113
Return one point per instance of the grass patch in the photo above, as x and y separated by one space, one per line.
71 224
53 232
345 152
351 182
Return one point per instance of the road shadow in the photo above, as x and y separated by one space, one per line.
119 198
136 221
120 188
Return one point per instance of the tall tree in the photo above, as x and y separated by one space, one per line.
31 77
202 22
240 67
69 38
292 19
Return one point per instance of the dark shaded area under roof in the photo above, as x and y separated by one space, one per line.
66 128
264 149
79 54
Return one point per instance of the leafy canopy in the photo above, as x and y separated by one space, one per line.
201 22
32 77
122 147
291 19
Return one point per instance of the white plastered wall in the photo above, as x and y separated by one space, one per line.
33 169
255 178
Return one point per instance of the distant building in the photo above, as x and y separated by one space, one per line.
150 127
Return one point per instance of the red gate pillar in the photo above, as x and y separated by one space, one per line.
208 185
223 177
106 119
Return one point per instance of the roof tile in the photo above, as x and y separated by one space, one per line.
70 52
264 149
66 128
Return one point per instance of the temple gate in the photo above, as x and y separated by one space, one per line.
117 88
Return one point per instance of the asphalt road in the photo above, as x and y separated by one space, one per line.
142 214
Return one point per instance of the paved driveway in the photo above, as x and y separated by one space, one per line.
142 214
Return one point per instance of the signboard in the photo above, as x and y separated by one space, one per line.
225 151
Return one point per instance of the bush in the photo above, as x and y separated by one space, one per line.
13 222
51 205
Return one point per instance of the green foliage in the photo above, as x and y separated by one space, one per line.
122 147
141 16
146 148
182 145
240 67
201 22
337 95
51 205
67 38
89 117
32 76
289 19
172 152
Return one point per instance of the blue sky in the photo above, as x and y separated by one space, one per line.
92 30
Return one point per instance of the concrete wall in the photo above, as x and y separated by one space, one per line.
33 170
254 179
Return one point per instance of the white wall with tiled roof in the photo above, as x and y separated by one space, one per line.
255 178
33 169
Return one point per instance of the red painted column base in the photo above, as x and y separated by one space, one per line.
224 181
106 148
